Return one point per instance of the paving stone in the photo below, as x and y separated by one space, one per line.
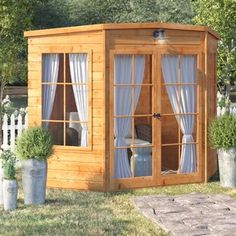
194 214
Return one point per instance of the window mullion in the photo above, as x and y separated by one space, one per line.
64 100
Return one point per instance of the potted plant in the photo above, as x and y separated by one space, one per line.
33 147
10 187
222 135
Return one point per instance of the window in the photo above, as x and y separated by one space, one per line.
65 98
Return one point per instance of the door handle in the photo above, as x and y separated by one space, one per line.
157 116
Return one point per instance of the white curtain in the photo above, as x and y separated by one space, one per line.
50 74
123 106
187 66
79 75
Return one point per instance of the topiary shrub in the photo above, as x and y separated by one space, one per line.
8 160
222 132
34 143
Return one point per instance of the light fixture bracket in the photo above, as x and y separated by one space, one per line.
159 34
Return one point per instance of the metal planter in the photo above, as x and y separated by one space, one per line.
10 190
34 176
227 167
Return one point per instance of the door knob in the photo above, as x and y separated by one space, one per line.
157 115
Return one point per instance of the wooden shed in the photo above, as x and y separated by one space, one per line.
128 104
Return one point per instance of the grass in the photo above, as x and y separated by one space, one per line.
91 213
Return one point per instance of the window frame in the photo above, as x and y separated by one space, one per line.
64 84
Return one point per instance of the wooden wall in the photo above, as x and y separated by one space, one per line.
140 40
211 84
70 167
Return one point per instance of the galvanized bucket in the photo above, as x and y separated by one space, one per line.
227 167
10 190
34 176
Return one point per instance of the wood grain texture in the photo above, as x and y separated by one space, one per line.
93 169
98 27
75 165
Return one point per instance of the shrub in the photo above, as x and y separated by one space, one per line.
34 143
8 164
222 132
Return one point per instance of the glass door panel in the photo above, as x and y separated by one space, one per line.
133 109
179 114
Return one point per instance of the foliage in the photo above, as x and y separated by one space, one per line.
8 160
222 132
15 18
50 14
9 108
220 16
107 11
34 143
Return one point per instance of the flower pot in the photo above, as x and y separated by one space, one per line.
1 187
34 176
10 190
227 167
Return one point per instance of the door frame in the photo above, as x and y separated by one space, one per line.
157 179
132 182
193 177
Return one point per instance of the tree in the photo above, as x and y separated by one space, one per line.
15 18
220 16
50 14
106 11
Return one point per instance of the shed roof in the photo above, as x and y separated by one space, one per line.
113 26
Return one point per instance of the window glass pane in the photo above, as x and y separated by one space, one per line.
57 131
170 129
122 100
123 69
52 68
122 163
188 68
139 69
59 97
143 130
170 159
143 161
170 68
73 134
53 99
77 68
143 100
122 132
77 106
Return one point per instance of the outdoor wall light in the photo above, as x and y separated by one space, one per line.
159 34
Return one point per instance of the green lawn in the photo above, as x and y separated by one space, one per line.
91 213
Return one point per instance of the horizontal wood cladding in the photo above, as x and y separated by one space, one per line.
75 184
72 167
73 38
145 37
76 166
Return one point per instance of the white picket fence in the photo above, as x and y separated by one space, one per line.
12 127
222 111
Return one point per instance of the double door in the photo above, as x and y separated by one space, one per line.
154 118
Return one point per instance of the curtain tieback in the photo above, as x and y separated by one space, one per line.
85 128
188 135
